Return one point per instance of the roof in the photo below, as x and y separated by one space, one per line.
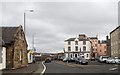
93 37
80 39
8 34
115 29
1 42
102 42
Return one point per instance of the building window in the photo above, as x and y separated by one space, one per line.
75 55
69 43
105 52
84 42
69 48
80 49
0 54
87 55
96 45
84 48
104 47
20 55
76 42
76 48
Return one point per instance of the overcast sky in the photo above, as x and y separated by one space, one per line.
53 22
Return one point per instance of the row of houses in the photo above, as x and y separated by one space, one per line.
92 47
13 48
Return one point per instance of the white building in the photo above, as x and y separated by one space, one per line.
2 56
30 56
79 46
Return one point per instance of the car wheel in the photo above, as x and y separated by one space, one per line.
87 63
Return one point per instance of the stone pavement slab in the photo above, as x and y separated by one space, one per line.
22 71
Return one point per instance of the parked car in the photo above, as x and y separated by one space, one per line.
103 59
72 59
110 60
47 60
81 60
60 58
93 59
67 59
117 60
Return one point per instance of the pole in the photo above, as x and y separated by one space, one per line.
33 41
24 22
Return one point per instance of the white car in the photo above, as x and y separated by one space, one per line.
67 59
103 58
117 60
110 60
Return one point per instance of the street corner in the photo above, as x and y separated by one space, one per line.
41 68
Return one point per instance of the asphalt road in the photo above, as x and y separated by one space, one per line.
59 67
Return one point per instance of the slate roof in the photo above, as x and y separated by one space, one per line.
1 42
102 41
8 34
115 29
80 39
93 37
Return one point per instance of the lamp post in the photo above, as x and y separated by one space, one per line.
25 18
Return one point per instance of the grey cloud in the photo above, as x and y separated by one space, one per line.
53 22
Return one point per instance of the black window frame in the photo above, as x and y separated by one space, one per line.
84 48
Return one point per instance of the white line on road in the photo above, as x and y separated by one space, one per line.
43 69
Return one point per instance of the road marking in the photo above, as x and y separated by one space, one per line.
112 69
43 69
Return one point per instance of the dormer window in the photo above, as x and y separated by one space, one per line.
69 43
84 42
76 42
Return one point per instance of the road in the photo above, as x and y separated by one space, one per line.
59 67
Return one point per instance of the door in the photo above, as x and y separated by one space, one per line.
75 55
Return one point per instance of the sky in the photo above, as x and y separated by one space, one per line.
53 22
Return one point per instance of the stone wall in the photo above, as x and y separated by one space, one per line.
17 52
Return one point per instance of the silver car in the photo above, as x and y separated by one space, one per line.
81 60
117 60
110 60
67 59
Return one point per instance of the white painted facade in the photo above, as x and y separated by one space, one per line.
30 57
80 52
3 63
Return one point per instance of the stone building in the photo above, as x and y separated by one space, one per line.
115 42
16 47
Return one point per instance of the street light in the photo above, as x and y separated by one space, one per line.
25 17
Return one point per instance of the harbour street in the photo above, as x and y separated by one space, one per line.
95 67
60 37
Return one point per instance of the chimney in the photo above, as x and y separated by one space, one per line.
97 36
82 36
107 37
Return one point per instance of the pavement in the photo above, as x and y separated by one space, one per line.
29 70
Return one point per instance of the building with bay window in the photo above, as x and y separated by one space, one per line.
79 46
